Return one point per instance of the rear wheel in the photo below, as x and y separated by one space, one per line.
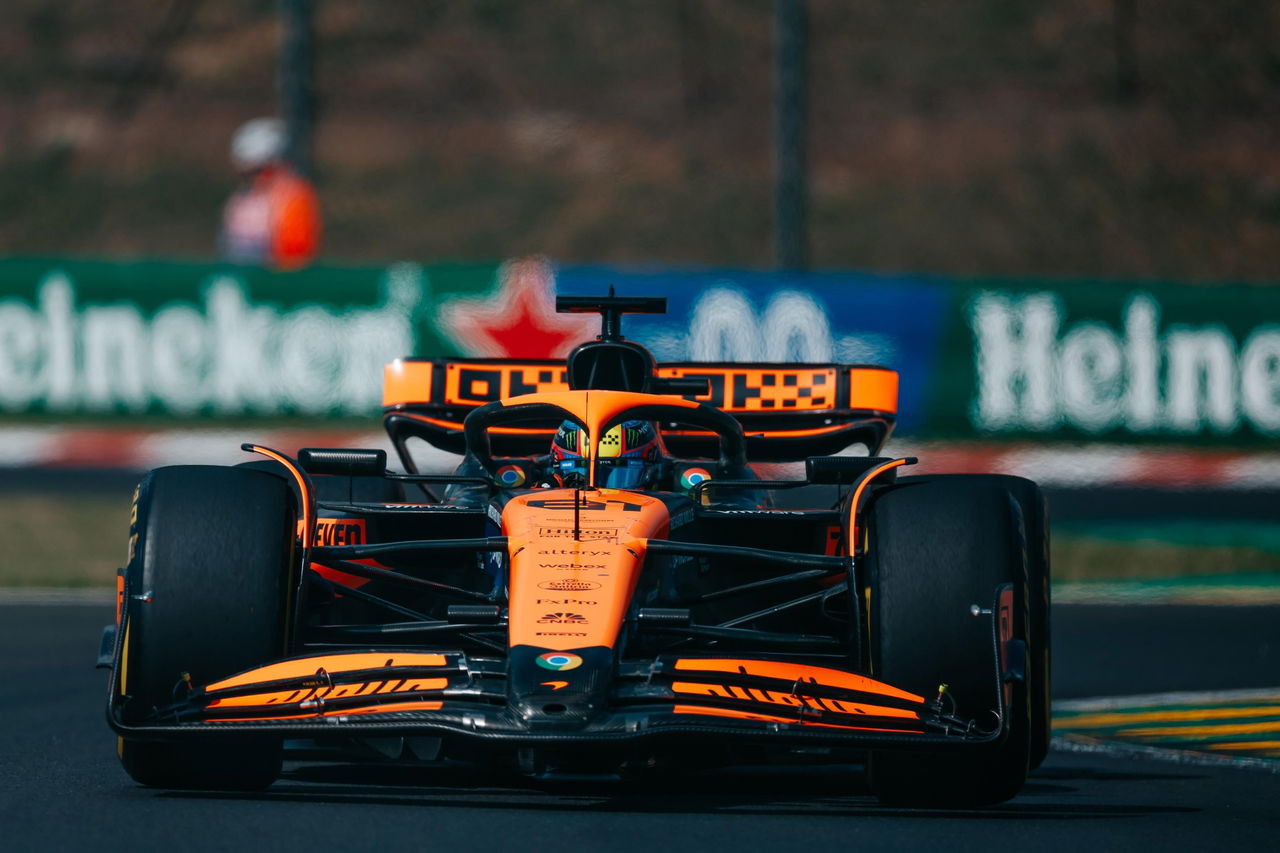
208 587
938 546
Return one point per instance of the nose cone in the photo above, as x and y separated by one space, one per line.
558 689
576 556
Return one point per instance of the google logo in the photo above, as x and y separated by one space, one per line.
559 661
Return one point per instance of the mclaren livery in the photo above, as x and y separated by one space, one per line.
608 582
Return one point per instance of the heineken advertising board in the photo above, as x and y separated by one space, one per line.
188 339
1115 359
978 358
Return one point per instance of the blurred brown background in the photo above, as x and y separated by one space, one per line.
1126 138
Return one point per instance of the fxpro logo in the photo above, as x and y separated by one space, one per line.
226 353
1032 374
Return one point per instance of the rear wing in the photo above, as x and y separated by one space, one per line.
788 411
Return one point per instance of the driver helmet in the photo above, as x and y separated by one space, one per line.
629 455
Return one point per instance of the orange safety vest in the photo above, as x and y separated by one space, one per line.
274 221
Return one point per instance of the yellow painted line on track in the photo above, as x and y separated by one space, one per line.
1257 753
1241 727
1201 731
1089 721
1248 744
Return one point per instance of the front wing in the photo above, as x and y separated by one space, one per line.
411 692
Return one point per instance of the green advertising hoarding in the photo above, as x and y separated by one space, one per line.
187 339
1114 360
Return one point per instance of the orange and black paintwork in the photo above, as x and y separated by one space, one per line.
788 411
576 567
528 613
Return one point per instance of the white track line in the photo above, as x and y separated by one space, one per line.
1081 744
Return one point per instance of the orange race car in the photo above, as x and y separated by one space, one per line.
605 584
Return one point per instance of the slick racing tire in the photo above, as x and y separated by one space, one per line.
938 546
207 593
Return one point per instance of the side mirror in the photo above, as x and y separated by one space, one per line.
842 470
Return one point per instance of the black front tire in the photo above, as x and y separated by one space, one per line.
939 545
208 588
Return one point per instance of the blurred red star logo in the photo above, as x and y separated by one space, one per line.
519 321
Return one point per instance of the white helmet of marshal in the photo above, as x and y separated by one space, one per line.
256 143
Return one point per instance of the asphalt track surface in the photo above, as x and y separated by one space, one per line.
62 789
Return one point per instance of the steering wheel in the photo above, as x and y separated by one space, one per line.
733 445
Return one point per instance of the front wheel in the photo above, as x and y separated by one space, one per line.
939 546
207 590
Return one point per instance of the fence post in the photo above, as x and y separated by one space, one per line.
297 90
790 106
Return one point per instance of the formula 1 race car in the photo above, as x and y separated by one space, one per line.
606 583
